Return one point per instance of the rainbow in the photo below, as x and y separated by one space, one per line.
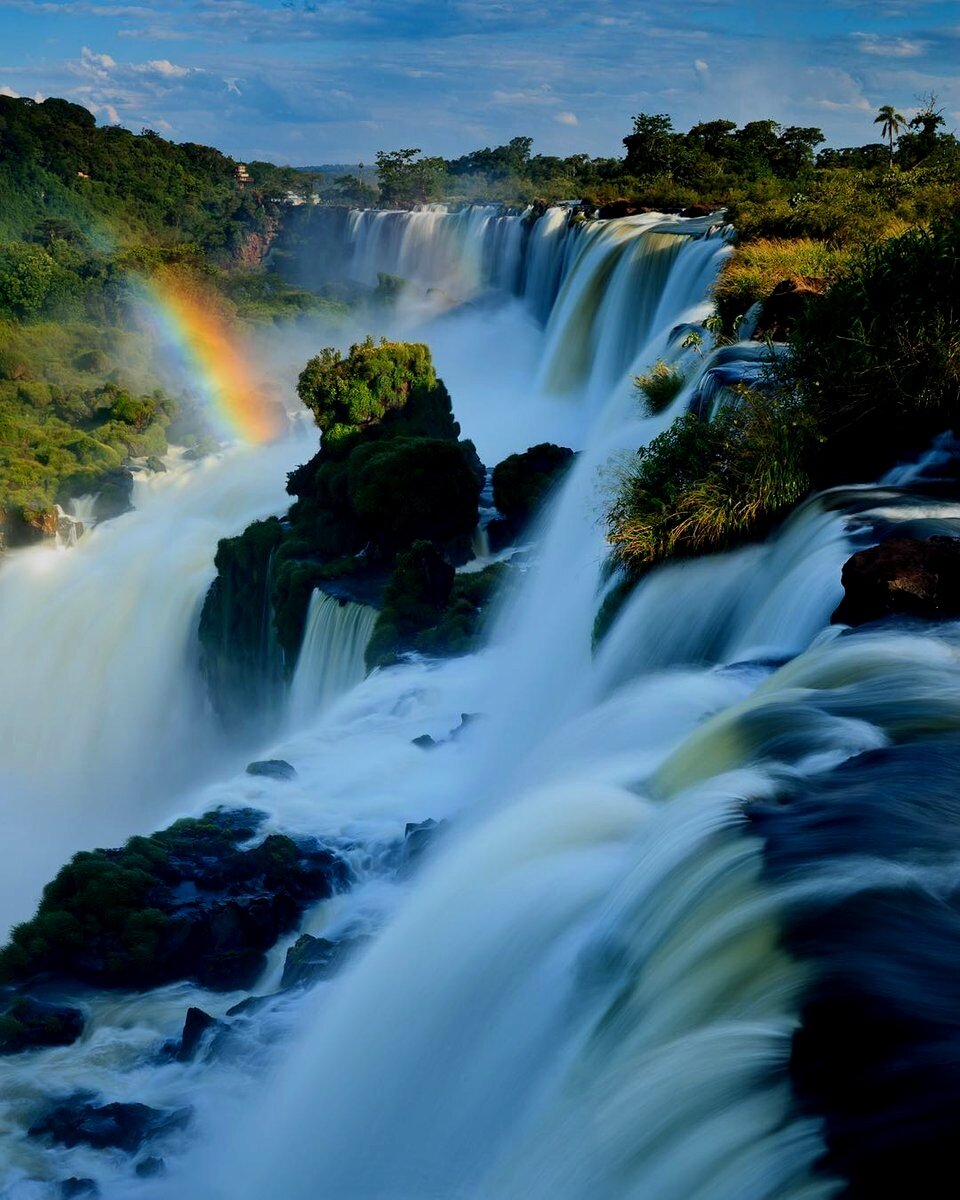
190 323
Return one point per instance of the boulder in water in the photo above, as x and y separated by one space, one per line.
272 768
917 577
522 481
186 903
75 1187
27 1023
81 1121
312 959
196 1025
115 496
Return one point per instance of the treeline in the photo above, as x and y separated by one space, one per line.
712 162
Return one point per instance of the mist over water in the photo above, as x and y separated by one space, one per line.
586 989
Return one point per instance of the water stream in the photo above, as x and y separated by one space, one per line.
587 990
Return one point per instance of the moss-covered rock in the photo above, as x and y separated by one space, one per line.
429 609
27 1023
238 653
189 902
523 481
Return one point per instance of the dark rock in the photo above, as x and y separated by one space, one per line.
917 577
26 526
150 1167
80 1121
697 210
74 1187
251 1005
785 304
522 482
186 903
620 208
418 837
196 1025
272 768
425 741
155 464
115 496
466 719
310 959
26 1023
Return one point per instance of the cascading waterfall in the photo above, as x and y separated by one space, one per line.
587 991
330 663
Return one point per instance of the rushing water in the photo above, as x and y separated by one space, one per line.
591 987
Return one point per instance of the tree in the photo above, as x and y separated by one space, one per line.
796 148
405 179
891 123
652 147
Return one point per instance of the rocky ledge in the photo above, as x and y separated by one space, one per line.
917 577
203 901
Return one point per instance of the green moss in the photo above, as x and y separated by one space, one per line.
522 481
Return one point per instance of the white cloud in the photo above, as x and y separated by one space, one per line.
163 66
701 66
566 118
895 47
97 64
8 91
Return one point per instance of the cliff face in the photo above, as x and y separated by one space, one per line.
255 244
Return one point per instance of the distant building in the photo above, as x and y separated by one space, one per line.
243 175
82 175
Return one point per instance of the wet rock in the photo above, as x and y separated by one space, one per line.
251 1005
311 959
186 903
72 1188
115 496
697 210
272 768
418 837
620 208
425 741
22 525
917 577
197 1024
156 465
80 1121
521 482
150 1167
27 1023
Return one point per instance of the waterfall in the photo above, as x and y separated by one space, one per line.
331 654
589 989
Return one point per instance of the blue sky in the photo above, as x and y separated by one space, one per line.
309 81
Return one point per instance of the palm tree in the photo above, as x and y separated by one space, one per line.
891 123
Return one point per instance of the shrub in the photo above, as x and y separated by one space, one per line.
752 272
407 489
703 486
660 386
877 359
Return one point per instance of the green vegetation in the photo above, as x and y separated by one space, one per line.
391 475
660 386
873 372
117 918
82 208
523 481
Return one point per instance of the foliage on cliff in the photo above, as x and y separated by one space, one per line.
390 474
872 374
82 208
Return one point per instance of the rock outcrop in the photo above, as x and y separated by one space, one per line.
917 577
